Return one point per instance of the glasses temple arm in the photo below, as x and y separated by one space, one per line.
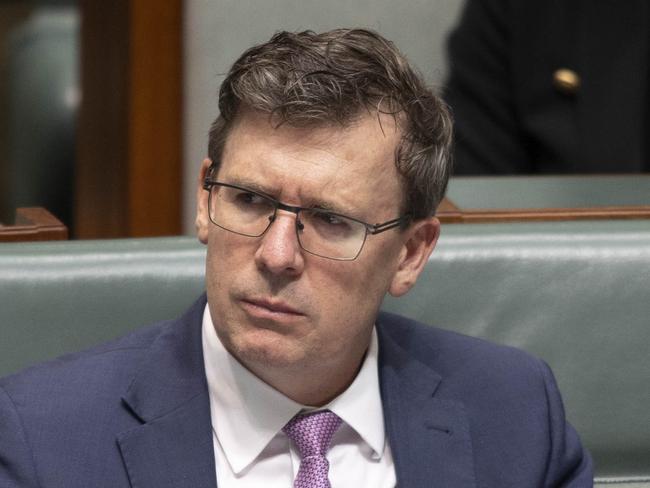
389 224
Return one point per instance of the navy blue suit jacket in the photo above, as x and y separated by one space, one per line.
460 412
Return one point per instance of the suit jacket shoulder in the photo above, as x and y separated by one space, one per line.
474 413
103 416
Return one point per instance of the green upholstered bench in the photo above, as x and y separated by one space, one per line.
574 293
474 199
544 191
57 297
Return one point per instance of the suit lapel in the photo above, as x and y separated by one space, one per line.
173 446
429 436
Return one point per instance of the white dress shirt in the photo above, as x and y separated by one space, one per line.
250 449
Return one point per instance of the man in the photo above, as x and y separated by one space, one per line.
288 375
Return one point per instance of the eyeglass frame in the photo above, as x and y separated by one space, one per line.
371 229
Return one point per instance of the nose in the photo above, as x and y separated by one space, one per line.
279 251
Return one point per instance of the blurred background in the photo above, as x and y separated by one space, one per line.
105 106
39 100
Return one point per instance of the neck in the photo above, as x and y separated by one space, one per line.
311 385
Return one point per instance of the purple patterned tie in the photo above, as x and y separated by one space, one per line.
312 434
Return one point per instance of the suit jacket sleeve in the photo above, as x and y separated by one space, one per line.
489 138
569 465
16 464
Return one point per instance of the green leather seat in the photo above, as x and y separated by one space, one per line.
544 191
574 293
59 297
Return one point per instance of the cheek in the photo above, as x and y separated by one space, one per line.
353 292
228 251
224 263
373 276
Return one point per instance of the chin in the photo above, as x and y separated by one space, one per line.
265 349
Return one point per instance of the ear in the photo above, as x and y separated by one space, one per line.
419 242
202 221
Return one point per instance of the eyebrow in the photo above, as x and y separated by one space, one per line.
315 203
251 185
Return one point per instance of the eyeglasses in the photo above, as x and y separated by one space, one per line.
319 231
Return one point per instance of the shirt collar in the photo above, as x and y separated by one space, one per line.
247 413
360 405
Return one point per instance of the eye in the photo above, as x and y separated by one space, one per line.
333 223
250 198
330 219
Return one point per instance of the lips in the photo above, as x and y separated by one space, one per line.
272 307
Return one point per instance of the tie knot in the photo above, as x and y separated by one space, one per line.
312 432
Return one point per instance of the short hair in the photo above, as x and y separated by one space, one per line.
307 79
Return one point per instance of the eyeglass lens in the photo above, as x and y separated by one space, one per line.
322 233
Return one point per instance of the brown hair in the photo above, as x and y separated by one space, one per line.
307 79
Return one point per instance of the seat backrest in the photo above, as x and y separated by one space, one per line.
58 297
574 293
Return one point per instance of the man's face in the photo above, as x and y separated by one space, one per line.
274 305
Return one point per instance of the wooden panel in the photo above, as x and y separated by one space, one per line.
101 206
470 216
129 142
155 154
34 224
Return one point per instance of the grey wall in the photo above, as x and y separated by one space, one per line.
218 31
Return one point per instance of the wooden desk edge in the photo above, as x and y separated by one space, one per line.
34 224
455 215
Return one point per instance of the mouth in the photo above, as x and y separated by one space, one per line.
270 309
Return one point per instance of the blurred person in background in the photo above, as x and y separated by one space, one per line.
553 87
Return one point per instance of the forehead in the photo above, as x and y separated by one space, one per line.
352 166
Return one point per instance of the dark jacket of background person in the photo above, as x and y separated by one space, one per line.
511 117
